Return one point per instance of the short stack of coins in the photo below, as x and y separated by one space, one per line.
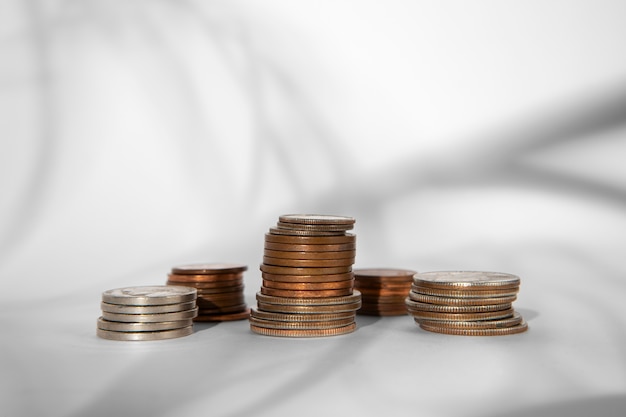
383 290
220 289
307 288
147 313
469 303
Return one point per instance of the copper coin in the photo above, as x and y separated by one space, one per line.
209 268
301 325
209 285
163 308
431 299
457 293
204 292
397 299
466 280
306 294
314 227
289 270
291 317
482 324
308 263
346 299
222 310
385 274
209 303
309 255
206 278
319 219
418 306
308 278
289 247
243 315
375 311
501 331
116 326
150 318
303 333
308 286
309 309
307 233
403 286
311 240
383 292
490 315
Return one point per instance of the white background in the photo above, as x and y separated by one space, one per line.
140 135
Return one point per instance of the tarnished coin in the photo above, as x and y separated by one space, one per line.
136 336
302 325
308 263
459 293
318 219
310 309
142 327
209 268
466 280
356 296
311 240
418 306
308 278
309 233
149 295
206 303
242 315
290 247
288 270
163 308
309 255
150 318
303 333
449 301
308 286
431 315
295 317
482 324
501 331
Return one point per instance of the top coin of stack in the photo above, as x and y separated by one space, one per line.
220 289
466 303
147 313
383 290
307 288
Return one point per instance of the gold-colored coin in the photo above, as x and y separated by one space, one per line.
514 320
430 315
295 317
316 219
150 318
308 286
308 278
354 297
309 255
308 233
204 278
290 247
431 299
142 327
164 308
309 309
303 333
501 331
301 325
418 306
466 280
288 270
438 292
149 295
136 336
306 294
311 240
243 315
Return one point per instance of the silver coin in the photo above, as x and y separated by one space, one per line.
142 327
321 219
166 334
150 318
149 295
164 308
466 279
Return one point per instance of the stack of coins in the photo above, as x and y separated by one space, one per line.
307 288
220 289
383 290
147 313
466 303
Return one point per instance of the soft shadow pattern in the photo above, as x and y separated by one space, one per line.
608 406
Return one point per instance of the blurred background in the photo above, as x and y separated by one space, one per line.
487 135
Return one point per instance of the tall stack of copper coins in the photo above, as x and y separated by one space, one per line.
470 303
307 288
220 289
147 313
383 290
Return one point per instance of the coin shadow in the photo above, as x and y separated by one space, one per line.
527 313
203 326
365 320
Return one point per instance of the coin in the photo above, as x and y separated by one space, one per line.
318 219
149 295
303 333
309 255
500 331
514 320
288 270
308 286
136 336
296 317
356 296
222 310
308 233
310 309
142 327
163 308
306 294
308 278
205 303
311 240
209 292
308 263
439 292
385 274
302 325
217 279
150 318
315 227
243 315
466 280
288 247
430 315
431 299
418 306
209 268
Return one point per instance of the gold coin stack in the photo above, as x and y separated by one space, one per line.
307 288
383 290
220 289
466 303
147 313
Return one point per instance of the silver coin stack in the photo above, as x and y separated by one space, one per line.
147 313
